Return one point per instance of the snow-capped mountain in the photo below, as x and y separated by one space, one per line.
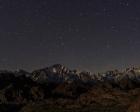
60 73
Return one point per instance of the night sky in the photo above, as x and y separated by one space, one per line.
94 35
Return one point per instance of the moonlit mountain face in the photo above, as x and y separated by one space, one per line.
93 35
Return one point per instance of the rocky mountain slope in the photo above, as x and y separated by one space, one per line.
59 89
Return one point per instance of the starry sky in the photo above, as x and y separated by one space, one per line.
93 35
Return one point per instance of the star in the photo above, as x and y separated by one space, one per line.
61 38
62 44
77 29
49 23
108 46
83 38
81 14
4 60
124 4
114 29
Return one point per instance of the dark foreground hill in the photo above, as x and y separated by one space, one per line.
58 89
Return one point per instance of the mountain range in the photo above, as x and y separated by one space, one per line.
59 89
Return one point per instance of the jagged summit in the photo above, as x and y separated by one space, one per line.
59 73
